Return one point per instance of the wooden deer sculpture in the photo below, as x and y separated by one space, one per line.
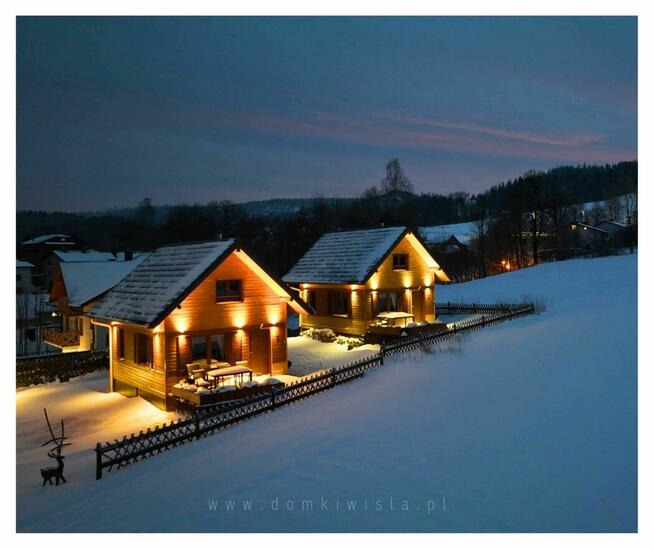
48 473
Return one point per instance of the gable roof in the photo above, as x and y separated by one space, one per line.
166 276
79 256
45 237
350 257
589 227
85 281
437 234
611 226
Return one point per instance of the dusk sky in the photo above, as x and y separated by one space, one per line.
111 110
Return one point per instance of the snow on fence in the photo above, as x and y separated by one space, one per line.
37 369
204 422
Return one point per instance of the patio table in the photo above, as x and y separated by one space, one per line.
396 315
220 373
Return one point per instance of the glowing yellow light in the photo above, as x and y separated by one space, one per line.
239 322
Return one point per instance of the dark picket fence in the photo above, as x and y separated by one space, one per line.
474 308
37 369
204 422
145 444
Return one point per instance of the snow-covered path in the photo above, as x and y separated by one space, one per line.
531 426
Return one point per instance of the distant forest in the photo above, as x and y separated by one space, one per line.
280 236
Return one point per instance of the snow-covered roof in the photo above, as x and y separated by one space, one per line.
611 226
464 232
147 293
120 256
590 227
85 281
345 257
24 264
45 238
69 256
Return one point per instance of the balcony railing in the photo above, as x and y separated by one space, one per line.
61 339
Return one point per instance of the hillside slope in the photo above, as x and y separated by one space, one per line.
526 426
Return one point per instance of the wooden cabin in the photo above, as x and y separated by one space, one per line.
203 302
75 289
358 279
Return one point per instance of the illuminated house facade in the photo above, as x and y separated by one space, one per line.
194 302
355 279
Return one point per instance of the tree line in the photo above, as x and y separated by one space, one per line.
511 217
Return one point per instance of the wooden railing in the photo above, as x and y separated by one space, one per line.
34 370
61 339
137 447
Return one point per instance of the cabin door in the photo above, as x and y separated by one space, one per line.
260 352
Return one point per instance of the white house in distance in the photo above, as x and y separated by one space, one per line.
76 288
23 277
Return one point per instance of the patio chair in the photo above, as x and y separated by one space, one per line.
189 369
198 378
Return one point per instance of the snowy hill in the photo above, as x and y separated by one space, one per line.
527 426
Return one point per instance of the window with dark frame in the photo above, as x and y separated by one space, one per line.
198 348
400 262
311 299
339 303
120 344
229 290
387 302
143 349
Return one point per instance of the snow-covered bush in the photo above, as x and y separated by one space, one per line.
325 335
351 342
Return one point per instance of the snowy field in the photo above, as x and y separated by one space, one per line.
528 426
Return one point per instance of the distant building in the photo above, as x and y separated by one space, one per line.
451 246
24 277
76 287
37 251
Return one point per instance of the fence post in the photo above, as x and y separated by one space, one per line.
196 423
382 352
333 377
272 394
98 461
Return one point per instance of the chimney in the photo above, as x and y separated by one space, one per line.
129 255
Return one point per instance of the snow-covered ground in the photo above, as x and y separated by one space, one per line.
90 415
308 356
529 426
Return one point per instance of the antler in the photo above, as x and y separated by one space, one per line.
58 441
